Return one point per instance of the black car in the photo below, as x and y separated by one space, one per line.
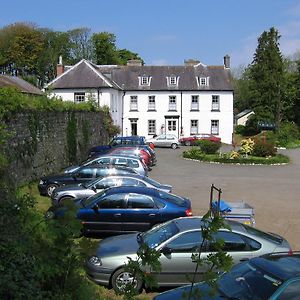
47 184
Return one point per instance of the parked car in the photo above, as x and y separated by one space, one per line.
125 209
272 276
164 140
132 151
118 141
176 240
190 140
47 184
114 160
98 185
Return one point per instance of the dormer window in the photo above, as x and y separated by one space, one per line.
145 80
203 81
172 80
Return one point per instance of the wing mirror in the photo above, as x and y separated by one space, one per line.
166 250
96 208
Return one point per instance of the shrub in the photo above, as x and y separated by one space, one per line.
262 149
288 132
193 153
240 129
247 146
208 147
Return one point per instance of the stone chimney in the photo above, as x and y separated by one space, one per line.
60 68
227 61
134 62
191 62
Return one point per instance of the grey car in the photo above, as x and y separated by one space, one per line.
164 140
114 160
176 240
98 185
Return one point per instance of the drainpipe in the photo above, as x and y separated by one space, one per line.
122 123
98 97
181 127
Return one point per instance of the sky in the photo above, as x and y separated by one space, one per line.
165 32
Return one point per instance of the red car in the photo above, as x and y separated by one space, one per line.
188 141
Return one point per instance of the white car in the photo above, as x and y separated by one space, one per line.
164 140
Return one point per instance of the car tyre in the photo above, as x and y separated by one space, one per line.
188 143
174 146
50 188
121 277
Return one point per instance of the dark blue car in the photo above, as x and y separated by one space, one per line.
128 209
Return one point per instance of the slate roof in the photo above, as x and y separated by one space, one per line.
243 113
22 85
88 75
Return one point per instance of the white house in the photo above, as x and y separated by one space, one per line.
147 100
242 117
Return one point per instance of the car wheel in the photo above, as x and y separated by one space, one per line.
50 188
174 146
188 143
122 278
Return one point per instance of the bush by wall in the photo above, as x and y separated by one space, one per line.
208 147
263 149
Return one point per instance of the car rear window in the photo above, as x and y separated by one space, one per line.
172 198
274 238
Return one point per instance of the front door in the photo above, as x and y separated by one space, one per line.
172 126
133 124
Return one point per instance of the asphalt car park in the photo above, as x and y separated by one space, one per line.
273 191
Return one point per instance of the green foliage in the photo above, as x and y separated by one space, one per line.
194 153
240 129
110 127
246 146
208 147
251 127
288 132
263 149
72 138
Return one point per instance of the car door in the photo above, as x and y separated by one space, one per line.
106 217
160 141
177 266
106 183
84 175
141 213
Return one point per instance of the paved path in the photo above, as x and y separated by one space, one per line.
273 191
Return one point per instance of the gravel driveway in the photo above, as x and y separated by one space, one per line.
273 191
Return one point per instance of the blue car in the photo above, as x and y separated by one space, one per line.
269 277
128 209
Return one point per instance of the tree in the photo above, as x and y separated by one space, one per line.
267 74
124 55
105 51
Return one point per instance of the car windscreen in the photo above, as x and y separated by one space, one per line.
172 198
159 234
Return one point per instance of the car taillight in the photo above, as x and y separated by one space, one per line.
188 212
290 252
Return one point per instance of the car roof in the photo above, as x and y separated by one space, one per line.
280 265
119 156
97 166
132 189
130 175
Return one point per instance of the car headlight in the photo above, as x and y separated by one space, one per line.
41 181
96 261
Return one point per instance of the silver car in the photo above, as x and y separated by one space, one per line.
176 240
92 187
115 160
164 140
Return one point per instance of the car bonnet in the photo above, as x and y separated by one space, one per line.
118 245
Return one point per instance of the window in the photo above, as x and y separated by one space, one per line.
187 242
86 173
194 127
79 97
195 103
145 80
120 162
151 103
215 103
172 103
132 163
151 127
232 242
102 161
214 127
139 201
133 103
113 201
172 80
291 292
202 81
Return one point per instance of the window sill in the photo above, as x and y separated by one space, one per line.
195 110
173 110
216 110
152 110
133 110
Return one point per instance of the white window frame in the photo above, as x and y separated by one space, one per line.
194 127
79 97
151 103
215 103
144 80
172 103
151 127
202 81
133 103
172 80
214 127
194 102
